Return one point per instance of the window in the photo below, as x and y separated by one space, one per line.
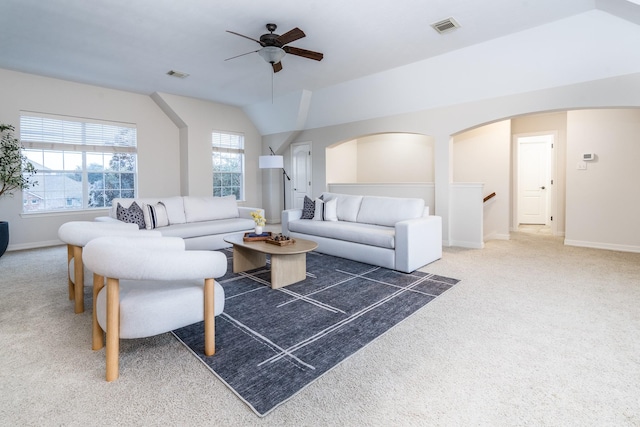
228 164
81 163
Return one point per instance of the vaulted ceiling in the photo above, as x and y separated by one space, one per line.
131 45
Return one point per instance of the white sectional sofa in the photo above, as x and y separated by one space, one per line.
202 222
395 233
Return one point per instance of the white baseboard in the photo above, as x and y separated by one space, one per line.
497 236
598 245
463 244
34 245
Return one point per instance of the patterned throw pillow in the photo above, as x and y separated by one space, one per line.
309 208
155 216
133 214
325 211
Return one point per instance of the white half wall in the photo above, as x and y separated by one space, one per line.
467 215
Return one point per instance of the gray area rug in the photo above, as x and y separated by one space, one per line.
270 344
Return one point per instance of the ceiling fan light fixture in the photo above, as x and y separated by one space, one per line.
272 54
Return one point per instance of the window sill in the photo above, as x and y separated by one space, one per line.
95 212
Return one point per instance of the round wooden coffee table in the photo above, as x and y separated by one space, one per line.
288 263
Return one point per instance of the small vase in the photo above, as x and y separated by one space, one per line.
258 229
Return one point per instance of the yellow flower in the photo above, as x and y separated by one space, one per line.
258 219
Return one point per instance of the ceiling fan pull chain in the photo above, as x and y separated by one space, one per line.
272 78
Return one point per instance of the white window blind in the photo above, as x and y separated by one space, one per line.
66 134
82 163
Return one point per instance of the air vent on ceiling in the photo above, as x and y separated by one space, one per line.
446 25
178 74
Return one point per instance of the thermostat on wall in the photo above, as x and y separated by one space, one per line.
588 156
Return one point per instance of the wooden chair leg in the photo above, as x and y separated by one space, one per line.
209 318
113 328
79 279
97 335
69 258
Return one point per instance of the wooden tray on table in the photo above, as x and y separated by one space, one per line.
253 237
280 242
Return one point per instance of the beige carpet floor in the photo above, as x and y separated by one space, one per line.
536 334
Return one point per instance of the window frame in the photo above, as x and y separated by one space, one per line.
78 138
228 149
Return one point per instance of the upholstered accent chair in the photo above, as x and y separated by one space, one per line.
152 286
76 234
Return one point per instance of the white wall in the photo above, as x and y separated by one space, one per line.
603 207
382 158
159 144
200 118
158 151
342 162
482 155
443 122
395 157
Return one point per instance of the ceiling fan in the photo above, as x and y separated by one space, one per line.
274 46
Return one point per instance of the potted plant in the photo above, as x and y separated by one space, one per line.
16 173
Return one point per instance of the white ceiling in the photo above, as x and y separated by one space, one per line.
130 45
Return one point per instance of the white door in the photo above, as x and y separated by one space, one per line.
534 154
300 173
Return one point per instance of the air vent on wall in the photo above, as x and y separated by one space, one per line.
446 25
178 74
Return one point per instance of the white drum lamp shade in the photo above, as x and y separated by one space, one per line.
271 162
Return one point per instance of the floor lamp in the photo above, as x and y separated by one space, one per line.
275 162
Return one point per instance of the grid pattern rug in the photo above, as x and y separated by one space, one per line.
270 344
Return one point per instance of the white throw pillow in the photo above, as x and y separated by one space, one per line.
326 211
331 210
155 216
319 210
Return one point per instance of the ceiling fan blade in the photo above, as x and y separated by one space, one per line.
303 52
290 36
277 67
243 54
246 37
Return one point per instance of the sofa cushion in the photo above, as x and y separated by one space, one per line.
367 234
132 214
389 210
198 209
348 205
175 209
155 216
206 228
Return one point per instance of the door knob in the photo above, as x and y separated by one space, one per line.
542 188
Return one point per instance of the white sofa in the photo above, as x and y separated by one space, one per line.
395 233
202 222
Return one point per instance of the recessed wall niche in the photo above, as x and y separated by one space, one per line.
382 158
